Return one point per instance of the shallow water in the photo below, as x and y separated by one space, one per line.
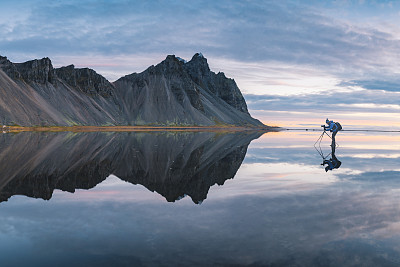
199 199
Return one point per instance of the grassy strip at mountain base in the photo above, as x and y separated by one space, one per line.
15 129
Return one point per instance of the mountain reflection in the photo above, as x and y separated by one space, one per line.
174 164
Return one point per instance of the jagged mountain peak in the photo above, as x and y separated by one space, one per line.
86 80
2 58
177 93
9 68
198 56
68 67
171 93
200 60
172 58
37 63
198 65
170 64
37 70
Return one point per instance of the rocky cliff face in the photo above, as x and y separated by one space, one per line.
178 93
9 68
172 93
216 84
86 80
38 71
172 164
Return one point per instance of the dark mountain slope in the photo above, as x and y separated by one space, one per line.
33 94
86 80
178 93
216 84
170 93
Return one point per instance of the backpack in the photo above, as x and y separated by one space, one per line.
339 127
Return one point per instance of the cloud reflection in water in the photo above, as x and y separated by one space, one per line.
281 208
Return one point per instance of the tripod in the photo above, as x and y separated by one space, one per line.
318 143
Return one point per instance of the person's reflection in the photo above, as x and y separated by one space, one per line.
333 162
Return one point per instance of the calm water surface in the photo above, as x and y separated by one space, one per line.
199 199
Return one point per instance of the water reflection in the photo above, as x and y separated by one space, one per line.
172 164
281 209
332 162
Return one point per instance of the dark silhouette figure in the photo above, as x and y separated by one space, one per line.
333 162
334 128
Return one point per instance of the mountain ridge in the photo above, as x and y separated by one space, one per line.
187 163
171 93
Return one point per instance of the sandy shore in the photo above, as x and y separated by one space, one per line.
133 129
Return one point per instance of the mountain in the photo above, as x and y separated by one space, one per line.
172 93
174 164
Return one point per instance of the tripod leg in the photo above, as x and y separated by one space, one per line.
319 149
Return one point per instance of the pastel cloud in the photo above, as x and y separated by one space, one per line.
270 48
362 108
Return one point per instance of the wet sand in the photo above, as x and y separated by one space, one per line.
15 129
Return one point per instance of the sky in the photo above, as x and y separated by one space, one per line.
296 62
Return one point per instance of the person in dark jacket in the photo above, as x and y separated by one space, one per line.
334 128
